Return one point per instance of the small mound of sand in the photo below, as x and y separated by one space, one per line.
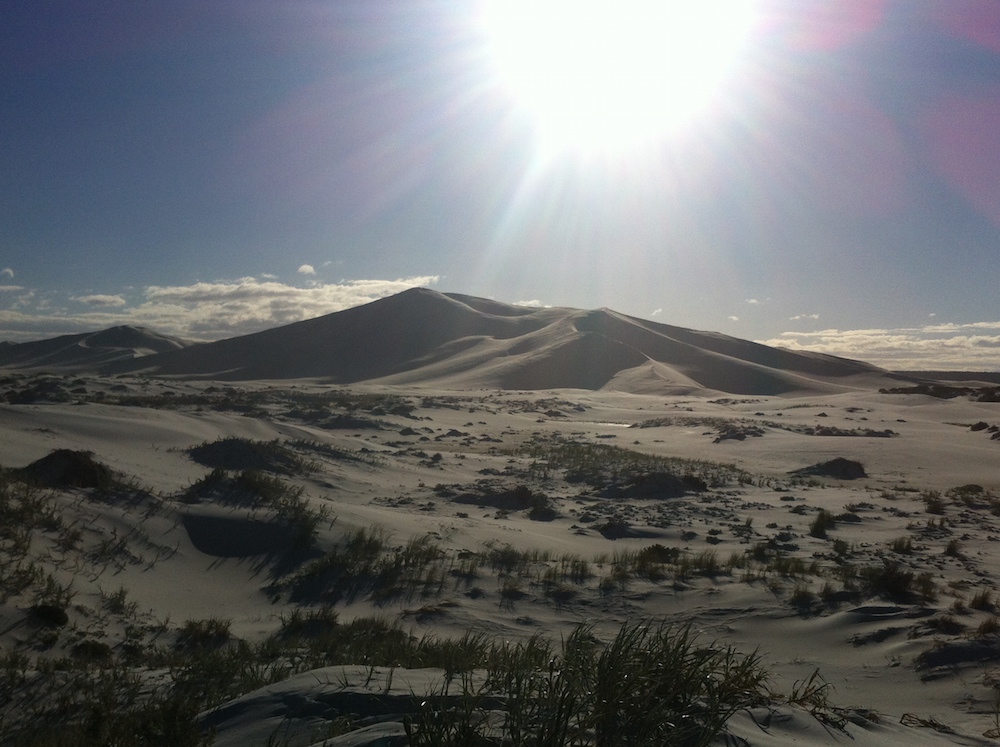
839 469
655 485
65 468
241 454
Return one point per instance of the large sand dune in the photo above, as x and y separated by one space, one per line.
424 338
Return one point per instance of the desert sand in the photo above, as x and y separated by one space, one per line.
820 512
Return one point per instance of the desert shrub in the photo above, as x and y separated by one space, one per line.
887 580
802 596
824 521
988 627
982 600
933 502
841 549
947 624
902 545
207 633
244 454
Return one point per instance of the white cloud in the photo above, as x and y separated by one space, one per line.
10 288
101 301
955 347
797 317
206 311
7 271
753 301
532 304
307 270
733 318
657 312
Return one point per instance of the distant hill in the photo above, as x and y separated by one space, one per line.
88 350
425 338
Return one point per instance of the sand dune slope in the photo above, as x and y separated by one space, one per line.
422 337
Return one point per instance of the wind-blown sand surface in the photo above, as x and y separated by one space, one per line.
201 542
893 601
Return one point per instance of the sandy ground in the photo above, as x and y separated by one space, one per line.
465 469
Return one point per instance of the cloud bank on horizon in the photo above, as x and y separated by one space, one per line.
830 186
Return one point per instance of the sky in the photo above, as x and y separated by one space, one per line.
211 168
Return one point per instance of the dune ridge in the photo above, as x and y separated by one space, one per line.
89 350
425 338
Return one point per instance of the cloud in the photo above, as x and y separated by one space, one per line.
657 312
10 288
7 272
532 304
208 311
733 318
307 270
101 301
797 317
971 346
753 301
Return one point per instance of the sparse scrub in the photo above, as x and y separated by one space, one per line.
652 684
601 465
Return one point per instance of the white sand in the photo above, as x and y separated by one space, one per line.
434 449
866 647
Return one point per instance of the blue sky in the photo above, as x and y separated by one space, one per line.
216 167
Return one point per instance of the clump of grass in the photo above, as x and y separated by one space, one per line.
893 582
652 684
982 600
258 490
823 522
988 627
802 596
933 502
208 633
947 624
902 546
363 563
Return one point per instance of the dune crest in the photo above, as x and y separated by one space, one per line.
425 338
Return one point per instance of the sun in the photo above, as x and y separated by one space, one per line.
606 75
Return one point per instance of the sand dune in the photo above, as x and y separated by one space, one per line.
89 350
424 338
